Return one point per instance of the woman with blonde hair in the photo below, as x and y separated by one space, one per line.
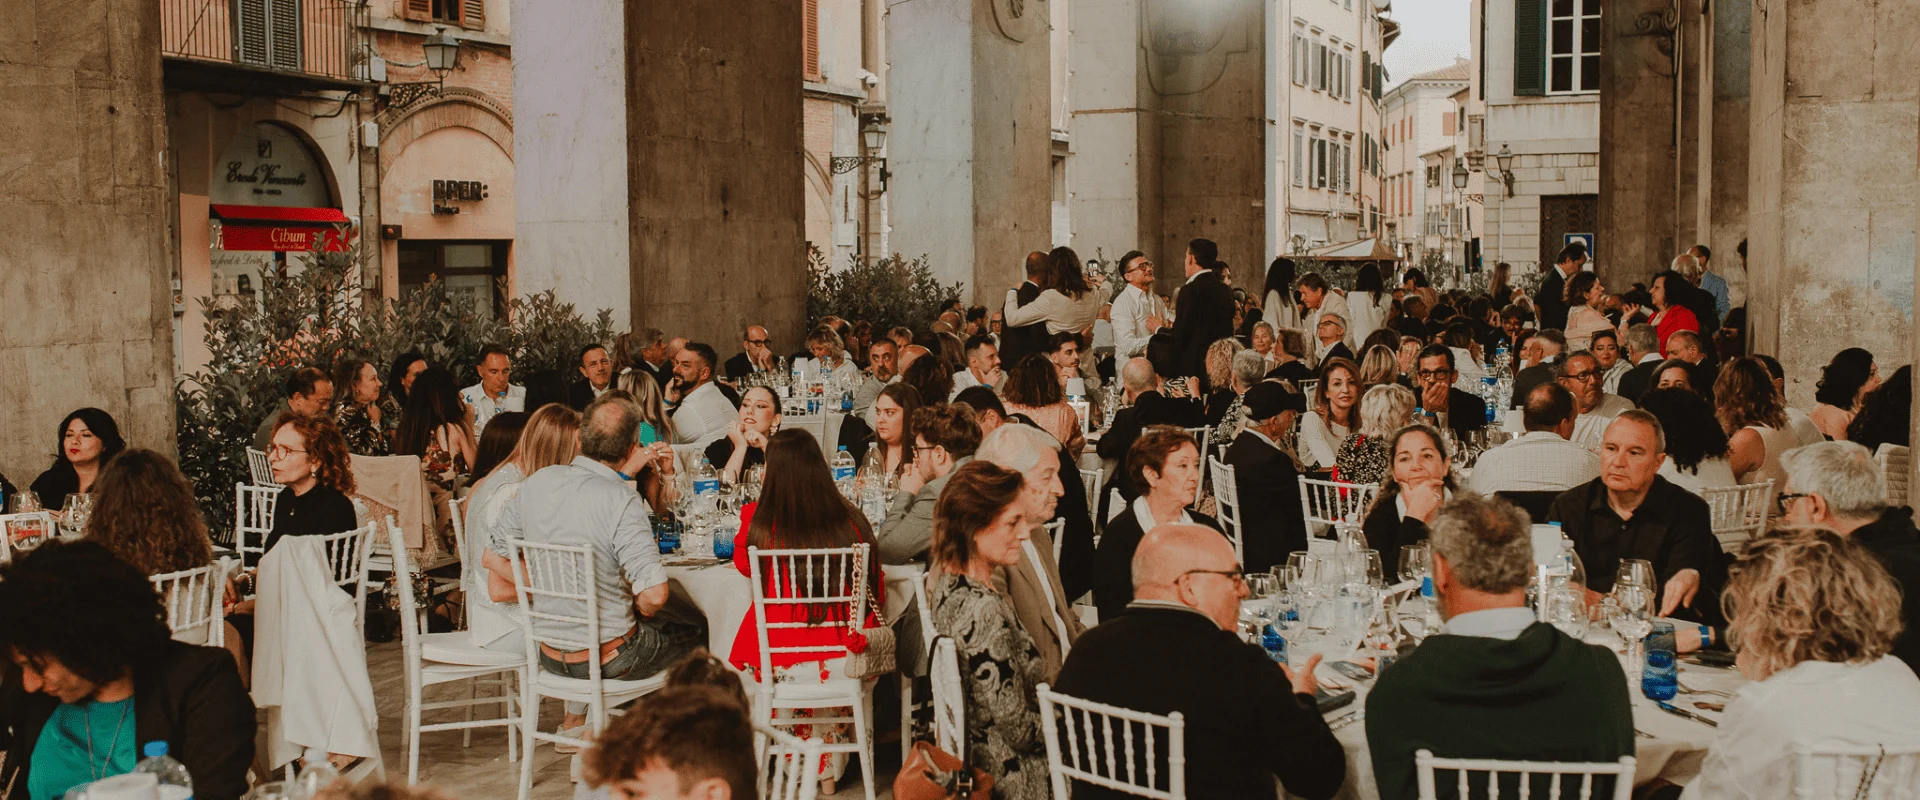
1813 617
1365 455
1333 413
655 424
1755 420
1378 366
551 436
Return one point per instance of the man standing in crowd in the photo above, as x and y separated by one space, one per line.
1321 301
1203 313
1643 349
1034 586
945 439
1267 484
588 502
1551 299
983 366
755 356
1018 340
1436 373
1542 354
309 394
1631 512
1133 310
1837 485
700 412
1581 375
596 376
1711 281
1542 459
1177 648
1496 684
493 394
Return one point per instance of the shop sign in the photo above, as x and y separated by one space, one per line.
448 192
283 238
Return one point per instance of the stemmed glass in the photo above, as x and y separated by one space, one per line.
1633 598
1416 562
75 514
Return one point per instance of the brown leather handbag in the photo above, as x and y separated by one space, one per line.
934 774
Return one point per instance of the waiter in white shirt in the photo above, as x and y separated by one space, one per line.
1136 311
493 394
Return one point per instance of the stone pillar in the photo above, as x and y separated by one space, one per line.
1638 184
1832 183
1169 131
657 162
1721 200
969 88
84 264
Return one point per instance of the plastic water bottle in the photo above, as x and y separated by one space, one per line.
1275 644
843 472
706 485
315 777
175 783
1490 392
846 401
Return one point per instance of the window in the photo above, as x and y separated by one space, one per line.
1319 67
469 14
1320 163
1299 159
471 270
1300 51
1573 46
810 39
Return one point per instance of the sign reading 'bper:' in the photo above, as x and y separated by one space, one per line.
445 193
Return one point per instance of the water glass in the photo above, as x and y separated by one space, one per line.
1636 572
27 534
1416 562
1660 675
1260 585
23 502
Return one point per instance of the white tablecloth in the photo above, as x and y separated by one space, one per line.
1674 754
725 596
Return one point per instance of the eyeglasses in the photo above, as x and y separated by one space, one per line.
918 448
1434 374
1234 573
281 451
1140 266
1582 377
1787 497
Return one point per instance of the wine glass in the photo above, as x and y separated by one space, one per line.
1635 571
74 515
23 502
1416 562
1633 616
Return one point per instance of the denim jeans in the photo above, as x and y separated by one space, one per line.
643 652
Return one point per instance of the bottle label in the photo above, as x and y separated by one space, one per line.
842 474
706 486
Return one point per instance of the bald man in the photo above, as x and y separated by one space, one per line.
1249 720
1145 405
755 356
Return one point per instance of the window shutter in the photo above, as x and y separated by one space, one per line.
1299 160
1446 123
473 14
810 33
1529 46
1366 72
417 10
283 34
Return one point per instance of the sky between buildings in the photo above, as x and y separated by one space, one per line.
1432 34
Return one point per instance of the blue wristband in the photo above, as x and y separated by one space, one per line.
1706 635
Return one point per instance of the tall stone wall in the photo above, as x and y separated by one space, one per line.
1832 183
83 266
1638 185
714 155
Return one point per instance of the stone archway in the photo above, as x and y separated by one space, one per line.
454 107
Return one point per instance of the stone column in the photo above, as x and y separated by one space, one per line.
1832 183
1638 183
84 262
970 147
657 162
1722 195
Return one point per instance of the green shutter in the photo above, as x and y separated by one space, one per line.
1529 47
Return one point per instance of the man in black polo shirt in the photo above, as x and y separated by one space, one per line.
1465 412
1630 512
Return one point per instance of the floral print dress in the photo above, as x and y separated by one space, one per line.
1363 459
1000 667
364 436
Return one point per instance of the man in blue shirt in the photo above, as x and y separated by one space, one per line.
1711 281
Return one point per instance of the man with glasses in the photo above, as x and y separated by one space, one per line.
944 439
1582 375
1249 719
1330 335
1135 311
1837 485
755 356
1631 512
1465 412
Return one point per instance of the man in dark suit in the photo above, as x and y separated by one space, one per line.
1643 346
1268 486
1140 388
755 355
1250 721
596 376
1465 412
1551 299
1019 340
1330 332
1546 347
1203 313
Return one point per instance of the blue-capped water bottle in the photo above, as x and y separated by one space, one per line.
175 783
1275 644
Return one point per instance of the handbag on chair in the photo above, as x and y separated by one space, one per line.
870 651
931 773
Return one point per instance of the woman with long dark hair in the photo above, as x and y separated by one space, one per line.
1696 446
1066 304
144 511
358 409
1419 481
1586 302
1754 418
799 509
1669 293
1844 383
87 439
1883 416
1333 413
401 374
1368 304
438 428
1033 390
1282 305
745 445
496 448
892 430
931 377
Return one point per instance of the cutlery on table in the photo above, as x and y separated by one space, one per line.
1678 711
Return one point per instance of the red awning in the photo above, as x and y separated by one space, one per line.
284 215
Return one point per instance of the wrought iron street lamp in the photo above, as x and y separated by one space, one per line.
873 137
1505 159
442 51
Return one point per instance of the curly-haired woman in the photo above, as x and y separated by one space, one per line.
1755 420
310 461
144 512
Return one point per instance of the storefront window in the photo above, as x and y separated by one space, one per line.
474 271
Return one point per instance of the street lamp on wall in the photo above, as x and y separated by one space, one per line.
1505 159
873 137
442 52
1459 174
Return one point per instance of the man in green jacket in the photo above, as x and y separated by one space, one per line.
1495 684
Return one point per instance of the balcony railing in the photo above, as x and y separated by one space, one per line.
314 38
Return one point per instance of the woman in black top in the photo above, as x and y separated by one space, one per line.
1165 462
87 440
745 445
1421 479
310 461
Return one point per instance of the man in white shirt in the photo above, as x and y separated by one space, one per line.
1321 300
1542 459
983 366
1581 376
701 412
882 369
493 394
1134 312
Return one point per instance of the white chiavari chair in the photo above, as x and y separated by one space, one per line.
1308 386
1327 503
253 519
1895 460
1200 436
550 578
260 469
789 765
1857 772
815 424
1112 747
1116 505
949 696
1091 479
192 599
436 658
1544 778
1056 530
1226 499
347 553
1738 513
814 584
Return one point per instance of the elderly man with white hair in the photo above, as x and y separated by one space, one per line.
1039 597
1837 485
1175 648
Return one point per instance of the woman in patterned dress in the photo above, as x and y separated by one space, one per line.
364 421
980 521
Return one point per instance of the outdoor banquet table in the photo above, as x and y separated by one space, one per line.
723 594
1672 750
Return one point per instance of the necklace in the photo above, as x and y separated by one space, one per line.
87 715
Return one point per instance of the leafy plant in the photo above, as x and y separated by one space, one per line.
885 292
